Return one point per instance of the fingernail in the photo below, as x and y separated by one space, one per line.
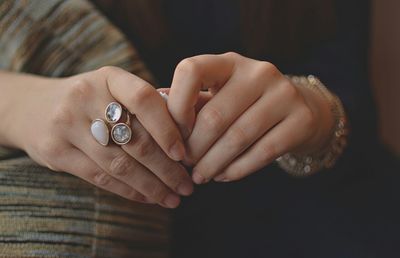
172 201
221 178
185 188
177 151
197 178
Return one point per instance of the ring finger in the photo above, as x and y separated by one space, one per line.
85 168
118 164
145 150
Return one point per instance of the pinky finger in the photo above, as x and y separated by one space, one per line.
280 140
83 167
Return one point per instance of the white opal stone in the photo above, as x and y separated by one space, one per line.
121 133
100 131
113 112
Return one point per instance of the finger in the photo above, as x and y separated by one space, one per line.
280 140
79 164
118 164
203 98
225 107
146 151
192 75
141 99
247 129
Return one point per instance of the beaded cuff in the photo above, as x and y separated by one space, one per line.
304 165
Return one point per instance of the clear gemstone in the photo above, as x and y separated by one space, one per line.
113 112
121 133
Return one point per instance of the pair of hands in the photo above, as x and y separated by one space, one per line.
250 115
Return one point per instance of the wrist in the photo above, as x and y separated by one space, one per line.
17 102
321 108
301 164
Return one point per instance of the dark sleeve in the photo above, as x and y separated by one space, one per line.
342 64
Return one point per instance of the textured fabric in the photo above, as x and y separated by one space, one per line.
50 214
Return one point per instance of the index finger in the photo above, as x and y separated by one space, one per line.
143 100
191 76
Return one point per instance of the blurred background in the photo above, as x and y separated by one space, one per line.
384 55
385 69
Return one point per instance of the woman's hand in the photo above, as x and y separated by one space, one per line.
254 115
52 124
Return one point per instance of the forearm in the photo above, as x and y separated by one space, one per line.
16 90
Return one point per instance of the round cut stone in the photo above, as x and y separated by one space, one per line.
121 133
113 112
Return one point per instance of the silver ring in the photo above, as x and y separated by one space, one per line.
121 132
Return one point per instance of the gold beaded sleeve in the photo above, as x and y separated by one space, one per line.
304 165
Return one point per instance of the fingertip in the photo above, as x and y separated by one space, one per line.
177 151
198 178
171 201
186 188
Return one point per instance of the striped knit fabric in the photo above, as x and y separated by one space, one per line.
50 214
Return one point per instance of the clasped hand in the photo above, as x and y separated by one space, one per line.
227 116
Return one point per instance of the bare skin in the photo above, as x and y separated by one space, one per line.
50 120
254 114
250 115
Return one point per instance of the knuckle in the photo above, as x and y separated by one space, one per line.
79 91
120 165
232 55
135 196
144 147
143 92
212 119
101 178
236 138
155 191
188 65
267 69
62 116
